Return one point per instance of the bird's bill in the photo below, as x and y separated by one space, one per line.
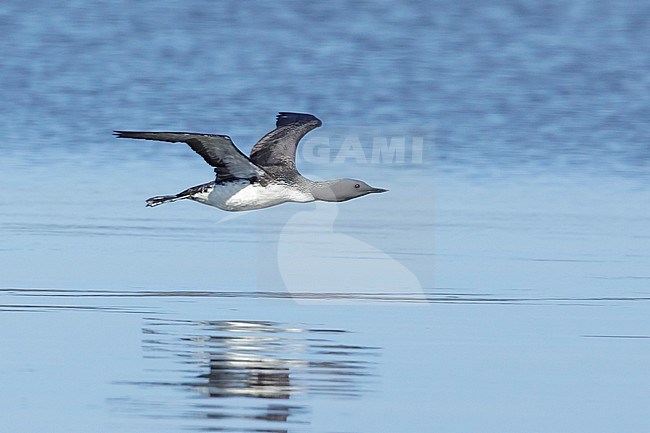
375 190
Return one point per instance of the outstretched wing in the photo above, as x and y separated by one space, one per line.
217 150
278 147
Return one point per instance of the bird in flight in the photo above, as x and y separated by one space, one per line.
267 178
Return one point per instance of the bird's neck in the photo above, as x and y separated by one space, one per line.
322 190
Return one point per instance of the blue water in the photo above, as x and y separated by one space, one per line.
501 285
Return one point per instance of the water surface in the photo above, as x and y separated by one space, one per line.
501 285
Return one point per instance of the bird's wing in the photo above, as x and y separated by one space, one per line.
278 147
217 150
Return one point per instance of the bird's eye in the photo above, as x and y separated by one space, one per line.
356 185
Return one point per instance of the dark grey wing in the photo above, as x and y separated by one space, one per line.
278 147
217 150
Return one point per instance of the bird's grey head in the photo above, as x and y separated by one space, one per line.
342 189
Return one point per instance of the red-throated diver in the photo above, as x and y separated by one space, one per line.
268 178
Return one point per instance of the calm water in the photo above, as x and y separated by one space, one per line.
501 285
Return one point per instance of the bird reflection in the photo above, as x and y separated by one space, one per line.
252 369
252 378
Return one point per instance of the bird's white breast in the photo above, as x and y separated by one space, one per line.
242 195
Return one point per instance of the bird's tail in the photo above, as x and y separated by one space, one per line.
161 199
188 193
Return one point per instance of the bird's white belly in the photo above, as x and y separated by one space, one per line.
238 196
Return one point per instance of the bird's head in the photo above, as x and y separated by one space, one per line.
343 190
